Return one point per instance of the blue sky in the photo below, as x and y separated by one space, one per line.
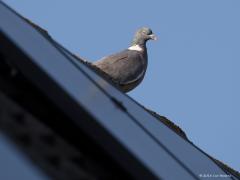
193 67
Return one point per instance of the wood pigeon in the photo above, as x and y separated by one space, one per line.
128 67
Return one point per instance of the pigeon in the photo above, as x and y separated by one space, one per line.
128 67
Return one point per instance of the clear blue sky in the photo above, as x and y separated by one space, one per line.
193 73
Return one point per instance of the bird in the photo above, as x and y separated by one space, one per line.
128 66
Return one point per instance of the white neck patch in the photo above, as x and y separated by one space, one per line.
135 48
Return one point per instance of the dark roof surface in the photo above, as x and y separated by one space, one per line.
164 120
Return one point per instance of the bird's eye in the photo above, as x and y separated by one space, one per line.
149 32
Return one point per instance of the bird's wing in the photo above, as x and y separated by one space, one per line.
125 67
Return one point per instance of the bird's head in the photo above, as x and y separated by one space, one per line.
143 35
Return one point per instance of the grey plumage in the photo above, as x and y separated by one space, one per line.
128 67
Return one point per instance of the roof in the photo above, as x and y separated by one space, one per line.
47 83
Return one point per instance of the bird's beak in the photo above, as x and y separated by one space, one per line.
153 37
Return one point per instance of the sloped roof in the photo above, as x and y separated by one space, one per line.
167 122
